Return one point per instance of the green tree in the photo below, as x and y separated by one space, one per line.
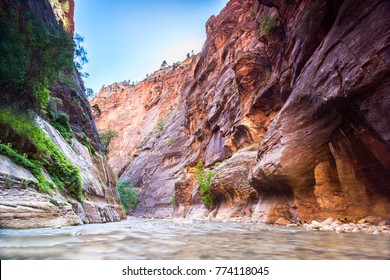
80 54
164 64
128 196
106 136
33 55
90 93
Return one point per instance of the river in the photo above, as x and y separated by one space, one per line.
183 239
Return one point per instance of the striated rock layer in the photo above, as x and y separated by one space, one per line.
305 83
23 206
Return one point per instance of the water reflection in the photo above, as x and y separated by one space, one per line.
164 239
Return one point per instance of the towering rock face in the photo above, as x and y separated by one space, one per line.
60 14
328 148
21 204
72 93
303 83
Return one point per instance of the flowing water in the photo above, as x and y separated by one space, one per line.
182 239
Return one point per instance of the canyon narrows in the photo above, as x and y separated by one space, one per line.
287 105
267 144
283 117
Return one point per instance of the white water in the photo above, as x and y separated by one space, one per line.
167 239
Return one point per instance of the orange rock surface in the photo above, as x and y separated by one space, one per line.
303 83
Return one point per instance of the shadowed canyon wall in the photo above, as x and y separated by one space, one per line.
287 105
22 205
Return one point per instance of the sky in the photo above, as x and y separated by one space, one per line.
127 39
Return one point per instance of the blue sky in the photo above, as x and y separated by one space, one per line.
127 39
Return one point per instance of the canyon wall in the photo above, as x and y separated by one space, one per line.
22 204
287 105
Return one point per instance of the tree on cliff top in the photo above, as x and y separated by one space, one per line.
90 93
164 64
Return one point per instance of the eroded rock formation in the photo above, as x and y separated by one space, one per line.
23 206
304 81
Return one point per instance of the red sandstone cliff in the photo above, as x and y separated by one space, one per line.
301 84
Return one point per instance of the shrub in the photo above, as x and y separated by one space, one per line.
80 54
61 123
160 126
170 141
52 106
9 181
267 23
85 141
89 93
128 196
54 202
203 178
164 64
106 136
174 202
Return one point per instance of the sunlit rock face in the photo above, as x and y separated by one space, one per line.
23 206
304 83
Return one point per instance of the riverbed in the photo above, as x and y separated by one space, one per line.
185 239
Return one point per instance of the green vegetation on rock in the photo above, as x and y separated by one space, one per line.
36 54
106 136
54 202
40 153
85 141
174 202
267 23
61 123
36 170
58 119
251 147
128 196
160 126
203 178
170 141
